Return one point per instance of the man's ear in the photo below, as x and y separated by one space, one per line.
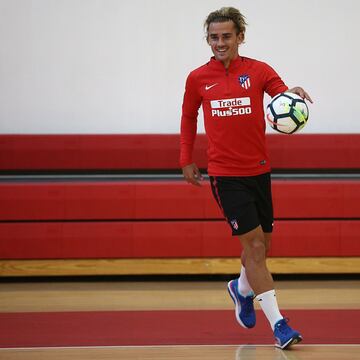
241 38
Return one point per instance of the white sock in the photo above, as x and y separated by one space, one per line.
243 284
269 306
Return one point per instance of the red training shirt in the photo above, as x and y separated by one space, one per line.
232 102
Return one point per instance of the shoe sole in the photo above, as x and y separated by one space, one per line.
292 341
237 307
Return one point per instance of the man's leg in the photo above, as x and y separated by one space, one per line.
243 282
256 244
241 291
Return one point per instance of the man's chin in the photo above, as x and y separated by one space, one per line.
221 57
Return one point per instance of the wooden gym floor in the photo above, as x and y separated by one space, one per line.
171 320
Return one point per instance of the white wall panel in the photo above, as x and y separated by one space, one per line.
116 66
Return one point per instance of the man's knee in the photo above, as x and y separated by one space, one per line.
254 246
257 250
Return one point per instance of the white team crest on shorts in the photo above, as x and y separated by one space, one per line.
234 224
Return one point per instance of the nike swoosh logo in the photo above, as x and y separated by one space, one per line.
208 87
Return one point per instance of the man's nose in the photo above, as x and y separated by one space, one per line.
220 42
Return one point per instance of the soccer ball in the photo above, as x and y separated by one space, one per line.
287 113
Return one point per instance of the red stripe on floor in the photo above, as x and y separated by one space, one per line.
168 328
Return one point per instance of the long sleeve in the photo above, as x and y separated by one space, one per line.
273 83
190 108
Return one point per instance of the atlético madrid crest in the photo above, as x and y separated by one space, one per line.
244 81
234 224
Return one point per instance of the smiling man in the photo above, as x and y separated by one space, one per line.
230 88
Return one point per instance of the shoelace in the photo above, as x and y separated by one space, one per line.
248 306
283 327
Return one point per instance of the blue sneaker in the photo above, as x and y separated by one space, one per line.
244 306
285 335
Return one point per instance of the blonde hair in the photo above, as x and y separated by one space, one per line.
227 14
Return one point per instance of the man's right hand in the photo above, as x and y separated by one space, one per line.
192 174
